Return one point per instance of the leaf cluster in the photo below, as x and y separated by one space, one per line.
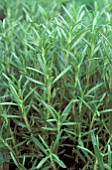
55 85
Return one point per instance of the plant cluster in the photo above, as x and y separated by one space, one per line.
55 86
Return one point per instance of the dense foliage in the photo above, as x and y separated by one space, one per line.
55 85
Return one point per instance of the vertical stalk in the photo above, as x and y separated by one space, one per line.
52 161
67 61
90 57
49 95
13 140
96 165
25 117
68 49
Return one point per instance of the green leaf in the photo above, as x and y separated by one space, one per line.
11 116
42 162
109 156
86 151
14 159
97 151
49 108
19 123
36 141
8 103
106 166
94 88
56 142
78 39
35 70
43 141
86 104
61 74
59 162
15 94
67 12
35 81
105 111
66 112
